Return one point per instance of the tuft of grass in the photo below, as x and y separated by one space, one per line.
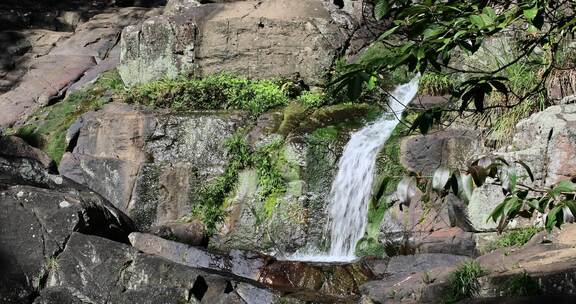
523 77
312 99
52 264
517 237
463 282
436 84
220 91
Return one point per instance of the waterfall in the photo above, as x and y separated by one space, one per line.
351 189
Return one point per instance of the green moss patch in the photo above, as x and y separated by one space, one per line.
511 238
221 91
46 129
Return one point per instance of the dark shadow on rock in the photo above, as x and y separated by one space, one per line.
12 46
47 14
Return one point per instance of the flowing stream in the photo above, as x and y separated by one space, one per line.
352 187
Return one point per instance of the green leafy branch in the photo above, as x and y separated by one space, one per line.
557 203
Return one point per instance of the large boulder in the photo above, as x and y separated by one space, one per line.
544 267
453 148
405 278
546 141
258 39
38 214
309 282
57 61
16 147
150 165
96 270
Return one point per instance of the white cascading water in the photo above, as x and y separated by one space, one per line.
352 187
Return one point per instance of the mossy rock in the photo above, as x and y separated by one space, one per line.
47 127
299 120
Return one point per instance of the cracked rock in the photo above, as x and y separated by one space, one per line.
37 217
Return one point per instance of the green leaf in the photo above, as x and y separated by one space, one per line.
527 168
571 204
477 21
406 190
533 203
500 87
433 32
479 174
489 11
552 218
381 9
508 177
513 206
387 33
466 187
502 160
498 212
440 178
563 187
487 19
479 100
530 13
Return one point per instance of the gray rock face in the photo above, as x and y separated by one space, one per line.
38 213
286 222
96 270
331 283
405 277
17 147
160 46
60 60
451 148
257 39
150 165
483 201
546 141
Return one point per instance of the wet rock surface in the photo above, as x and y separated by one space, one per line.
326 283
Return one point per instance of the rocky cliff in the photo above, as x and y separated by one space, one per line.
183 153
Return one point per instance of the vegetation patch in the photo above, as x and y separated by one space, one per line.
393 77
312 99
221 91
47 128
265 159
436 84
388 162
463 282
519 285
209 208
517 237
523 77
369 244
